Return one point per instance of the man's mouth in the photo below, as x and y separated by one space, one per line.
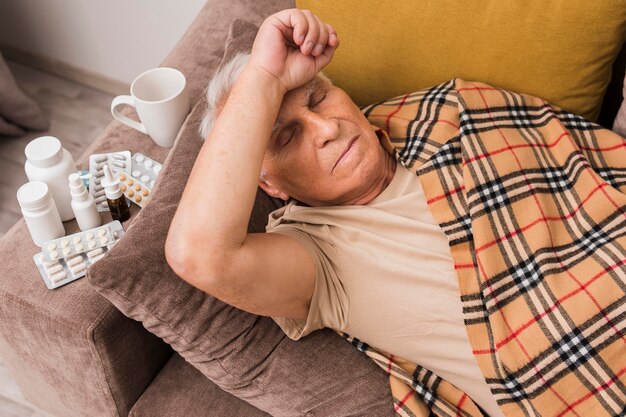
345 151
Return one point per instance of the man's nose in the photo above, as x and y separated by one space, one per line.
326 129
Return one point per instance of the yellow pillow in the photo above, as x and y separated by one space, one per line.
559 50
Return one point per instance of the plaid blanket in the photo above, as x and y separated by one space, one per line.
533 201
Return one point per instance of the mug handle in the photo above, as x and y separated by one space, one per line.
126 100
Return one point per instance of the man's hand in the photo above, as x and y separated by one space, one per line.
293 46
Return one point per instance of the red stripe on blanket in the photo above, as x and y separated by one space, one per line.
394 112
483 351
592 393
389 363
448 194
401 403
460 404
464 266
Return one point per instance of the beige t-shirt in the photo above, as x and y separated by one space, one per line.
385 276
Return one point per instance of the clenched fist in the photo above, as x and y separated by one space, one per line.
293 46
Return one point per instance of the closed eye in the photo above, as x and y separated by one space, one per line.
320 100
291 135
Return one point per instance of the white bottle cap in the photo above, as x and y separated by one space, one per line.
111 184
44 151
77 188
33 195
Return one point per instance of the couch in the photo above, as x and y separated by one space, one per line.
74 353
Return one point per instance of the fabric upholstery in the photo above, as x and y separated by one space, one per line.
72 353
180 390
561 51
17 111
246 355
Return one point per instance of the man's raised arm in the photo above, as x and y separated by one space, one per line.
208 244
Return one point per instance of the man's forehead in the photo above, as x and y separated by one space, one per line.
301 94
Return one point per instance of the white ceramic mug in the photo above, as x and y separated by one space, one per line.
160 97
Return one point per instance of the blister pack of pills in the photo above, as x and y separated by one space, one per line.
137 186
145 169
59 272
134 190
80 242
119 162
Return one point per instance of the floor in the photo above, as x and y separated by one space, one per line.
77 115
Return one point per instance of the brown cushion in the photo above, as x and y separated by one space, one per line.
179 390
244 354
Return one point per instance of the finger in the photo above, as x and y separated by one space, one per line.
333 39
312 34
300 26
327 54
322 40
289 37
325 57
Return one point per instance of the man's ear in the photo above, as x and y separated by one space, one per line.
271 190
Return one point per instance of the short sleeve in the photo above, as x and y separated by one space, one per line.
329 301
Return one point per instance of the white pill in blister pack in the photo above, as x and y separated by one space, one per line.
74 260
145 169
119 162
77 243
62 271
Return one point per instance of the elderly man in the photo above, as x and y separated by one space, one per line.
356 248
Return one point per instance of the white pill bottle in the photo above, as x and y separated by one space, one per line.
40 212
83 204
48 161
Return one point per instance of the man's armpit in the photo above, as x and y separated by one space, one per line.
328 304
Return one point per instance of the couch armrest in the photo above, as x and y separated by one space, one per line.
70 351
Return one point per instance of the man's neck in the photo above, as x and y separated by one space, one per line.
382 183
375 189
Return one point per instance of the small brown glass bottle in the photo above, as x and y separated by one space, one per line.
115 198
119 208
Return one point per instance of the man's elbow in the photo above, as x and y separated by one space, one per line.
176 255
190 262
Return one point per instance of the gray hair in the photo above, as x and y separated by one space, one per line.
218 89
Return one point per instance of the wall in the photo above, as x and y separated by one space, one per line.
117 39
